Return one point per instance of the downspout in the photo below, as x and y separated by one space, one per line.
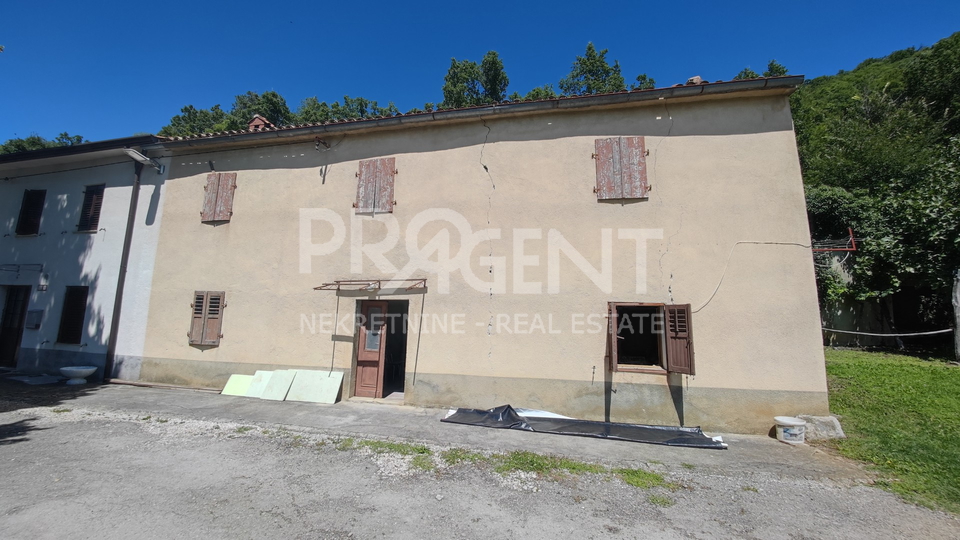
122 277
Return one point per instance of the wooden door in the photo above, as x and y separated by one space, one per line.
370 350
11 324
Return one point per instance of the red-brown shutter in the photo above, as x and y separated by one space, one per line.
227 185
367 186
609 185
90 211
386 169
72 316
196 323
31 210
213 317
679 339
612 324
633 167
209 212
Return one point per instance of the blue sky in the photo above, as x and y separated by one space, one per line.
121 68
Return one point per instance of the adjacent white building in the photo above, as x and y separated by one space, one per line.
67 237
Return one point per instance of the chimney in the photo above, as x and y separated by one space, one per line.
259 123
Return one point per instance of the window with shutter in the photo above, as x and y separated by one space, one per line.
218 197
207 320
650 338
679 339
375 186
621 168
90 211
72 316
31 210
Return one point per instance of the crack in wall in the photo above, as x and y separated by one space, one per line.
493 187
656 165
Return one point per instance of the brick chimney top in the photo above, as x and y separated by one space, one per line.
259 123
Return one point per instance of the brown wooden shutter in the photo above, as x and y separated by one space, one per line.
196 323
386 167
679 339
72 316
213 318
612 323
90 211
609 185
31 210
209 212
367 186
633 167
227 185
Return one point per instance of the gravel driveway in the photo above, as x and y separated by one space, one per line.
70 472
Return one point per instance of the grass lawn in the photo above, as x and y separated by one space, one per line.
902 415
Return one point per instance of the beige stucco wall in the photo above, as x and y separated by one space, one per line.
722 172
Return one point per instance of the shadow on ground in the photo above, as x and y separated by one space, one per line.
16 395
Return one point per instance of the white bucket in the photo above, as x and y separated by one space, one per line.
790 429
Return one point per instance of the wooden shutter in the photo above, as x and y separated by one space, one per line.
679 339
633 167
72 316
90 211
196 323
227 184
609 185
213 317
31 210
209 212
621 168
612 324
367 186
386 167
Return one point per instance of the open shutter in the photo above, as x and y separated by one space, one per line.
213 318
367 186
196 323
90 211
31 210
386 167
633 167
612 323
209 212
608 169
72 316
679 339
227 184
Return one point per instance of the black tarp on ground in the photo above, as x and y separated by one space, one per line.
505 417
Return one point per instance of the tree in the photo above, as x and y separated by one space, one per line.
461 85
775 69
313 111
933 76
193 121
269 105
746 73
493 78
644 82
36 142
541 92
591 74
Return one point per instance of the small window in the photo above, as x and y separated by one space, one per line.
218 197
207 318
72 316
621 168
651 337
90 211
31 210
375 181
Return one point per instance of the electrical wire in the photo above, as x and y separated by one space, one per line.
948 330
730 255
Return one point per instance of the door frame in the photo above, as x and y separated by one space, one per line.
22 318
362 358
